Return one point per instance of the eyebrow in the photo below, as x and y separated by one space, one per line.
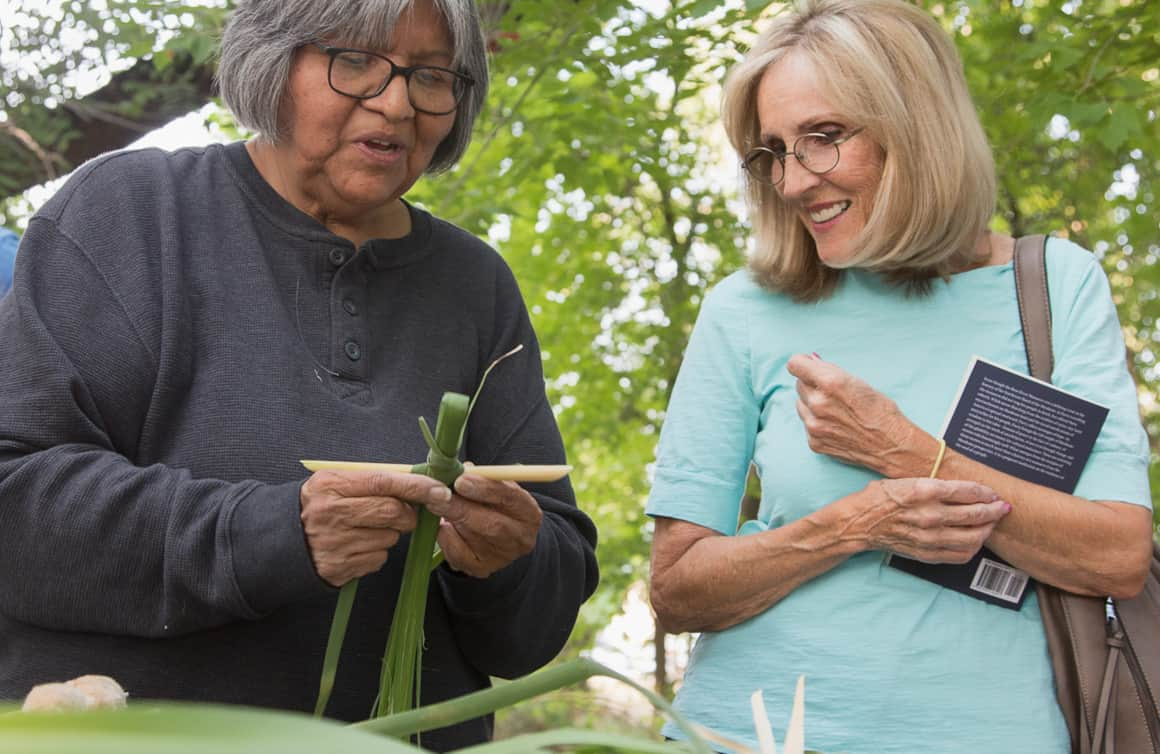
426 56
809 126
434 56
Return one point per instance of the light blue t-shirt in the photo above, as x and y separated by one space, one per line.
8 243
893 663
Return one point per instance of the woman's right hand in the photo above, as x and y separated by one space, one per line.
932 520
351 519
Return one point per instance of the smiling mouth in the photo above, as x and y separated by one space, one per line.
829 213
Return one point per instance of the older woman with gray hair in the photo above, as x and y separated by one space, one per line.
186 326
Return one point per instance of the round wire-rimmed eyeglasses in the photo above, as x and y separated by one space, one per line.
816 152
364 75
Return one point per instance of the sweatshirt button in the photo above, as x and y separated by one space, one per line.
350 307
337 257
353 350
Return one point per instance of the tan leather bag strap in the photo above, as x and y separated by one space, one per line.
1034 306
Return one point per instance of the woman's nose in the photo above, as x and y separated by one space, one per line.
393 102
797 179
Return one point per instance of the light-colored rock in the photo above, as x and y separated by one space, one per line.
84 693
55 697
103 692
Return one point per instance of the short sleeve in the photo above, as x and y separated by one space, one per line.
1091 361
712 419
8 243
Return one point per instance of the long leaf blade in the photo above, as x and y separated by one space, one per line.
334 642
178 728
541 682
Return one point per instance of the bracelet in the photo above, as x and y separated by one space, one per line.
942 449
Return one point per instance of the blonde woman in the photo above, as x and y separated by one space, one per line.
831 364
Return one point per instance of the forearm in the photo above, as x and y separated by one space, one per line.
1083 546
90 542
518 619
720 581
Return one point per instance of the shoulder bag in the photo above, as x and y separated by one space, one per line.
1105 652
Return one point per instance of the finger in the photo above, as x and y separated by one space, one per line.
416 488
977 514
949 544
958 491
962 548
377 512
481 490
460 556
810 397
813 427
804 367
507 498
804 413
360 564
361 541
338 571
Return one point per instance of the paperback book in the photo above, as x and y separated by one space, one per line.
1022 426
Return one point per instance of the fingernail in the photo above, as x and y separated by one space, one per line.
1006 507
442 493
464 486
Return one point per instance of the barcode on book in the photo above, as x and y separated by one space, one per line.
1000 581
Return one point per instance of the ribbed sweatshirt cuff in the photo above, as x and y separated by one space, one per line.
271 559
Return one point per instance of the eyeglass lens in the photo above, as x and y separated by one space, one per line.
816 153
360 74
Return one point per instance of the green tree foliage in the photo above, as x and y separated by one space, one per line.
1069 95
154 58
593 170
600 172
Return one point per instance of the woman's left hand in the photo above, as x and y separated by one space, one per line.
847 419
486 525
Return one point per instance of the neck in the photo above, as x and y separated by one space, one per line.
991 249
357 225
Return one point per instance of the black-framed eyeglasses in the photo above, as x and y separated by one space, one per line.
816 152
363 75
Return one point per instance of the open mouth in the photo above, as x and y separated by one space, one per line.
382 146
830 212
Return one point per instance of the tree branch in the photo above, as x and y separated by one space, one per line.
135 101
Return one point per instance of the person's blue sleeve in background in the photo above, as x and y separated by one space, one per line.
8 243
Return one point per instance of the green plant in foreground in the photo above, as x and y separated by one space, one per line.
401 676
171 728
401 673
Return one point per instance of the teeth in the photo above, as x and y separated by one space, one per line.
829 213
381 145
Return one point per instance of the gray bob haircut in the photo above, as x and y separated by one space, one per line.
261 37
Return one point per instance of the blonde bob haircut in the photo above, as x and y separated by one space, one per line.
889 67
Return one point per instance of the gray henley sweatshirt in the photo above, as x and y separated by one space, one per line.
177 337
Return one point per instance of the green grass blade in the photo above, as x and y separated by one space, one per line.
334 644
401 674
148 727
553 741
483 702
399 678
479 389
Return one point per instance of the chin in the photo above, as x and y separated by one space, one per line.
835 256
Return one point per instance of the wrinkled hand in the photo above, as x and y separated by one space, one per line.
847 419
352 518
932 520
486 525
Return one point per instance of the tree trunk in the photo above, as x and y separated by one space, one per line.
664 686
